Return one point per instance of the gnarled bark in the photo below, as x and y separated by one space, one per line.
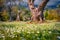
37 13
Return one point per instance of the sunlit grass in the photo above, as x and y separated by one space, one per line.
28 31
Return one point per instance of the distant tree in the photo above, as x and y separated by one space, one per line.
37 13
1 4
1 8
13 7
18 10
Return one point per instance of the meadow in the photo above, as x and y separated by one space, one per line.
18 17
28 31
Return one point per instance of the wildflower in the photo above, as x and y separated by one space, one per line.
37 31
3 36
43 31
12 36
49 31
28 32
58 37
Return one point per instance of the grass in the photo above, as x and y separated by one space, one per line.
27 31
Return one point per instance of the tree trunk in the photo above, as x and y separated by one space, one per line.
10 18
37 16
18 17
10 14
37 13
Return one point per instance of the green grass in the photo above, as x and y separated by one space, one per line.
26 31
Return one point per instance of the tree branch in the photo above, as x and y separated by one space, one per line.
42 5
31 4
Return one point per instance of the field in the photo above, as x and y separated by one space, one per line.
28 31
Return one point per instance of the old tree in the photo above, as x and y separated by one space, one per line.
37 13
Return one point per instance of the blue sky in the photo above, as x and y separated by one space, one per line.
51 2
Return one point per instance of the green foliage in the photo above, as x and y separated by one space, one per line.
25 15
4 16
46 14
52 14
24 31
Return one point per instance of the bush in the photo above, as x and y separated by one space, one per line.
25 15
4 16
52 14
